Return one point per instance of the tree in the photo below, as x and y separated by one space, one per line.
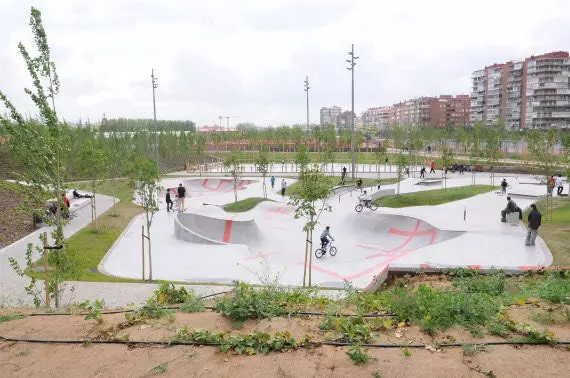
116 160
39 145
447 159
492 150
313 187
232 164
401 164
92 163
262 166
540 145
302 159
146 175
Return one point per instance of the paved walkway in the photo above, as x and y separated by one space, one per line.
12 293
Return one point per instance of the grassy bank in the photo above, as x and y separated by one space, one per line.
244 205
87 247
556 231
432 197
334 181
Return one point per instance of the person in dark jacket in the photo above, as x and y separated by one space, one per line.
534 222
181 197
169 202
511 208
504 185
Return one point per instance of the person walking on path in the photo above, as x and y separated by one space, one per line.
283 187
550 183
534 222
432 167
169 202
422 172
504 185
272 182
181 197
559 185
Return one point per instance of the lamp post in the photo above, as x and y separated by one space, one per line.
307 90
154 86
352 63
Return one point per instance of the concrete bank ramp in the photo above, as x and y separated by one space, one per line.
216 184
217 229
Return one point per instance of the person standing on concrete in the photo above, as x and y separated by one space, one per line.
550 183
559 185
534 222
272 182
283 187
181 197
422 172
342 176
432 167
169 202
504 185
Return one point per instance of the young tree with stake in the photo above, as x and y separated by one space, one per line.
262 166
233 165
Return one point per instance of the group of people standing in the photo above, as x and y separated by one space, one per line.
180 197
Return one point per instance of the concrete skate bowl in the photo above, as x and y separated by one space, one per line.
205 229
388 236
216 185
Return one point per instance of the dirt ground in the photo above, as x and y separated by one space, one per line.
14 224
19 359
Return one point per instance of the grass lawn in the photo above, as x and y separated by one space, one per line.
244 205
556 232
433 197
86 248
334 181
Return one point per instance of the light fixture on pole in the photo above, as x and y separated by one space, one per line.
352 63
307 90
154 86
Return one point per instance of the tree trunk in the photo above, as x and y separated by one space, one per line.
306 258
114 184
149 254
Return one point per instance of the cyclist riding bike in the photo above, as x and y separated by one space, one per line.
325 237
365 199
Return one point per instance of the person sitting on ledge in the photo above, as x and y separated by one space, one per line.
511 208
77 195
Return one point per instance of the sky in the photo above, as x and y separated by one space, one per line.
248 59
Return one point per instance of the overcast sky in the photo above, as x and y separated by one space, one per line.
247 59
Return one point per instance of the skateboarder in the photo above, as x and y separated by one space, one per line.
534 222
181 196
169 202
432 167
422 172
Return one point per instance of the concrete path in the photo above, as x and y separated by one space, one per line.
12 292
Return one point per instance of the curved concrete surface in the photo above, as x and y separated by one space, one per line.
216 184
203 229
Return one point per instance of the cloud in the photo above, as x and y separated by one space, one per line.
248 58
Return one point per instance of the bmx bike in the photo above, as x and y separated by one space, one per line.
371 205
323 251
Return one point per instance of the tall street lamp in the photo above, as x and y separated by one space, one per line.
154 86
307 90
352 63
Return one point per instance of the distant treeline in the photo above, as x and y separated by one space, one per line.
138 124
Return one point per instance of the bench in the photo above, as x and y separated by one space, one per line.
478 168
429 182
513 218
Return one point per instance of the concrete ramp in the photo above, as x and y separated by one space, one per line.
216 185
209 229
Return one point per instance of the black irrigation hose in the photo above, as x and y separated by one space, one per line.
314 343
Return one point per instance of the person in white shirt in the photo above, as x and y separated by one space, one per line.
560 187
365 198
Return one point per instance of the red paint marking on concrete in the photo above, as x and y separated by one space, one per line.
386 267
326 271
227 231
528 267
261 255
410 236
475 267
360 274
425 266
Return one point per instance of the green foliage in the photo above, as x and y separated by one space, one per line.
159 369
493 284
232 164
406 352
302 158
555 288
151 310
471 350
244 205
7 318
432 197
357 355
248 303
350 329
262 166
93 309
168 294
192 304
312 187
140 124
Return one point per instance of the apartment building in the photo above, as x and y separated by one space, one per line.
330 116
533 93
380 117
345 121
449 111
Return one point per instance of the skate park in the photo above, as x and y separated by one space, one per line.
206 244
